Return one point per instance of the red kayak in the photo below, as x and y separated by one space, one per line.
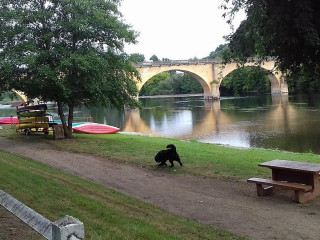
95 129
9 120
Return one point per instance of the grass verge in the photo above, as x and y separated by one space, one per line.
199 159
106 214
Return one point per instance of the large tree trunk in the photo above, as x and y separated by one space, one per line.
70 118
63 120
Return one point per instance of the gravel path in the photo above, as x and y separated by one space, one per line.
229 205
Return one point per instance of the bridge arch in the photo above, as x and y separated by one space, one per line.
21 95
277 80
210 73
203 83
275 83
201 73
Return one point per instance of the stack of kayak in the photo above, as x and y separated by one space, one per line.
32 118
33 122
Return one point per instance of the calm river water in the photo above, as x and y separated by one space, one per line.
273 122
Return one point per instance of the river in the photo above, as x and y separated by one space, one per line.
271 122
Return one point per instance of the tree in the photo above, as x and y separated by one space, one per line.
152 87
137 57
154 58
288 30
218 53
67 51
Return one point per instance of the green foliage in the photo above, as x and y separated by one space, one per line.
137 57
302 81
9 97
289 30
221 52
154 87
154 58
167 83
245 80
67 51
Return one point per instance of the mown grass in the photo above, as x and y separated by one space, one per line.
106 214
199 159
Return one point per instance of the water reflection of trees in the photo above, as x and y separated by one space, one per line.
7 112
103 115
268 121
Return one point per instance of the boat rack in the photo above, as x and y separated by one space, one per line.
33 119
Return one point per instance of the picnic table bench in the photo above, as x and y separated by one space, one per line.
301 177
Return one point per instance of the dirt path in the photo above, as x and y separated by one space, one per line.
228 205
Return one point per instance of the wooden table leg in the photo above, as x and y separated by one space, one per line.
263 191
303 197
316 184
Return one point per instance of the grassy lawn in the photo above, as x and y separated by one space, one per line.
199 159
106 214
110 215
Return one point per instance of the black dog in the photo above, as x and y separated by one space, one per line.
169 154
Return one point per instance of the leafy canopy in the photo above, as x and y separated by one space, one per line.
68 51
289 30
154 58
221 52
137 57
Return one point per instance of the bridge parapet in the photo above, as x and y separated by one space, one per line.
197 62
176 63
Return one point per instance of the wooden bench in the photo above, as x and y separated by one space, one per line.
299 189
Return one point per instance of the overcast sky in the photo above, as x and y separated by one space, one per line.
176 29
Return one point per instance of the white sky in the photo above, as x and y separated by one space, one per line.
176 29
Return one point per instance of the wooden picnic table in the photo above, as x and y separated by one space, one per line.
301 177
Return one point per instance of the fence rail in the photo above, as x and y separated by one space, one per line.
66 228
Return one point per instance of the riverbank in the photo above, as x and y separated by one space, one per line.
200 159
217 200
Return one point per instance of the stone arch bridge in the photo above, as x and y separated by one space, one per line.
210 73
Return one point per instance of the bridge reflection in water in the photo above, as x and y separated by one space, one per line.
276 122
208 122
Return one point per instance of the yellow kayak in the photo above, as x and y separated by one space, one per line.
34 120
32 125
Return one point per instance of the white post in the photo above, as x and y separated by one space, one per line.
67 228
